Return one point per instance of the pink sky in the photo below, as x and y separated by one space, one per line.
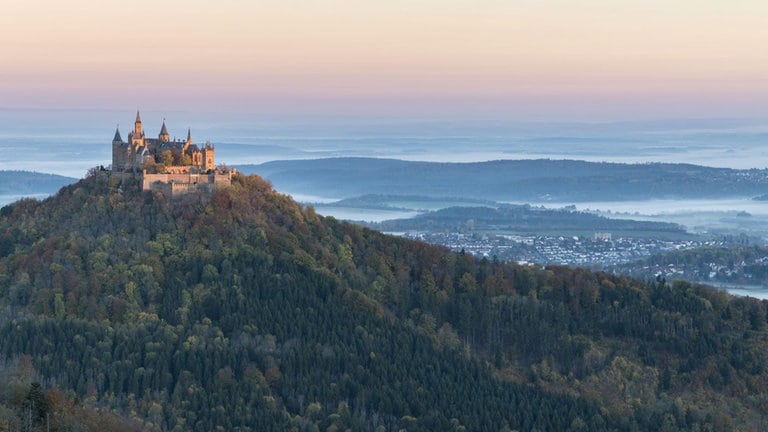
559 59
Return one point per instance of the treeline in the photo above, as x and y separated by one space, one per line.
244 311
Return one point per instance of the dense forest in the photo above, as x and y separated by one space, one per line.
511 180
244 311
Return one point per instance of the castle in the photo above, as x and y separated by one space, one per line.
173 167
141 152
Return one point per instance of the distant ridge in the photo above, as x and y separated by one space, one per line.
30 182
522 218
510 180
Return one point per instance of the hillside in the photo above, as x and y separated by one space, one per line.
27 182
509 180
244 311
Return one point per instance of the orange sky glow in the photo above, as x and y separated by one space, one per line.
536 59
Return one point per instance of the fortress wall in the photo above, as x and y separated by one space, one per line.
173 184
222 178
193 179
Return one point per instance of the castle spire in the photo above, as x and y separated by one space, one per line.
137 126
189 135
117 137
164 135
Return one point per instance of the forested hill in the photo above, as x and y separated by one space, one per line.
244 311
510 180
27 182
519 218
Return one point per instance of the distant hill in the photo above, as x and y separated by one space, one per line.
509 180
28 182
520 218
242 310
408 202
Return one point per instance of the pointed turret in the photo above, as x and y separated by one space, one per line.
137 133
117 137
185 148
164 135
119 151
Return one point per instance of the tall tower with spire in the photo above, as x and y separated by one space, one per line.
164 135
188 142
120 151
136 137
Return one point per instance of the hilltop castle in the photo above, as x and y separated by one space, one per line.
170 166
141 152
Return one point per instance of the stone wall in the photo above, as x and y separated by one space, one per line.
180 183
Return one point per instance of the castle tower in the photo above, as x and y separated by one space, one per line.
208 160
136 137
118 151
137 124
187 143
164 136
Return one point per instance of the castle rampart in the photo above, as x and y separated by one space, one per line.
177 183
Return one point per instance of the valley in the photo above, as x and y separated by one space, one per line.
617 232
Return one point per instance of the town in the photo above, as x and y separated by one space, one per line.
600 251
